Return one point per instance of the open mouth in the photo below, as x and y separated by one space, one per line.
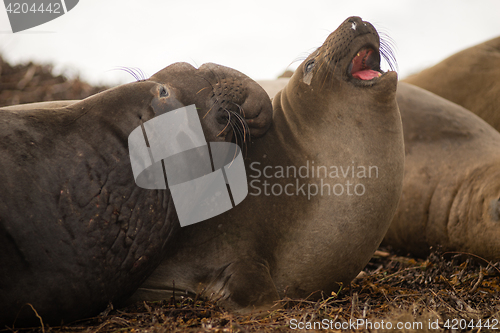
365 65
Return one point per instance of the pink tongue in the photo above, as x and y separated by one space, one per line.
366 74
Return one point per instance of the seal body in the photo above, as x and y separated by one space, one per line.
451 187
75 231
469 78
450 193
314 214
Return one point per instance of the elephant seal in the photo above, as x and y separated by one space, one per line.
468 78
76 232
324 185
445 153
451 189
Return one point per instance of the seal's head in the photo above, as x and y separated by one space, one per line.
349 58
230 104
350 53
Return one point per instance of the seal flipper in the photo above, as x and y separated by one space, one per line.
244 286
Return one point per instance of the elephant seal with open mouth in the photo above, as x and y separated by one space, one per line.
324 185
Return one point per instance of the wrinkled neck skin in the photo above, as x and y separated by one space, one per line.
330 108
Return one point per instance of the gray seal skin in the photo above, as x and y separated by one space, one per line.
451 189
270 246
76 232
469 78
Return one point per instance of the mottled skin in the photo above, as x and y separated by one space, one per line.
75 231
451 188
470 78
271 246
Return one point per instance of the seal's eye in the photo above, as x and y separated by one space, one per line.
309 66
163 92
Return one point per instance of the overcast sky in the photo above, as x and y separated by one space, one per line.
259 38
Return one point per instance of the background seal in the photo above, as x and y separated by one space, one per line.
451 189
469 78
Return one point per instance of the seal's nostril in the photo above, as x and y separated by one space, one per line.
163 92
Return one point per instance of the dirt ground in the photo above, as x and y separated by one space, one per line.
445 292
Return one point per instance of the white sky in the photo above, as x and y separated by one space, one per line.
259 38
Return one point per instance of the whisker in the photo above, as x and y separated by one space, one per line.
235 151
387 47
242 131
210 83
228 122
234 132
209 110
217 78
136 73
244 126
199 91
240 108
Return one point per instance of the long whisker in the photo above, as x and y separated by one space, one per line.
235 151
236 132
228 122
217 78
204 78
243 131
209 110
213 90
136 73
244 126
387 47
216 101
199 91
240 108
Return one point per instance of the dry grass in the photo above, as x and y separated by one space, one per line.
392 289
